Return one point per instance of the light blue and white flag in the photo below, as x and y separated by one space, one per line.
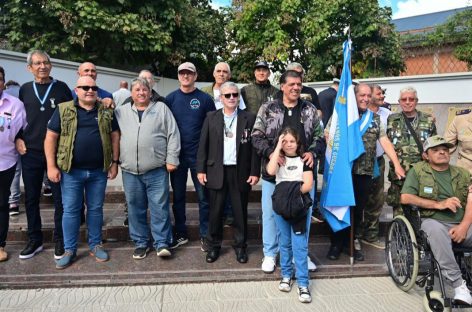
344 145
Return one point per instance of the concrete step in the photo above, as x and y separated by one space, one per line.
187 265
113 229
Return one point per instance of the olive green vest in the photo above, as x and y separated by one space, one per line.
429 189
365 163
68 116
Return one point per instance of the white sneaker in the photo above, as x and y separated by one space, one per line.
311 264
304 294
462 293
268 264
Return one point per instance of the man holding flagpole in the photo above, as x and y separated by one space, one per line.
365 167
346 138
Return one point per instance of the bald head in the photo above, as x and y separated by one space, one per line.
84 90
123 84
87 69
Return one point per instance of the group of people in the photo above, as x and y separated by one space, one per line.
227 138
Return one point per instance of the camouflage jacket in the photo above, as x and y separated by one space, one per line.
365 163
405 145
269 123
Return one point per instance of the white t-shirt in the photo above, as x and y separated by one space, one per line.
292 170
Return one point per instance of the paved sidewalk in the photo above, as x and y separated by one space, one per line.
351 294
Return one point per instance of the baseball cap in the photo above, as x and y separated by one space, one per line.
434 141
187 66
261 64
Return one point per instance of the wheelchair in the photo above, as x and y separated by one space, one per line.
410 261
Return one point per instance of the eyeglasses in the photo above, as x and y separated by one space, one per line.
409 99
87 88
45 63
228 95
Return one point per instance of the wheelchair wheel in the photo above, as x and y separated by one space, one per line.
401 253
435 304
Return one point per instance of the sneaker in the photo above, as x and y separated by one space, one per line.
311 264
285 284
316 216
66 260
31 249
203 244
179 240
140 253
462 293
47 192
14 210
376 243
163 252
304 294
358 255
268 264
125 222
59 249
3 254
99 253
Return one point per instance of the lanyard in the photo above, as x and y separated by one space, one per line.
44 98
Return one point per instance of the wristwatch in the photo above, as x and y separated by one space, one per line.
116 162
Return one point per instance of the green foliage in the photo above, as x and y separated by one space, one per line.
311 33
458 32
119 33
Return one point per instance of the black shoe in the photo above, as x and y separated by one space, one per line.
47 192
179 240
241 255
59 249
358 256
14 210
334 252
31 249
140 253
212 255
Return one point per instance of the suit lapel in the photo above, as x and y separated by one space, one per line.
218 125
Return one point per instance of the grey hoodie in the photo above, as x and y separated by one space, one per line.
148 144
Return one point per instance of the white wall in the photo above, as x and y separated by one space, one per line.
109 79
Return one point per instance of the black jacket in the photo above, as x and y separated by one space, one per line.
291 204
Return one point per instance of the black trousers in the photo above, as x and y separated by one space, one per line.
362 187
6 178
217 205
33 166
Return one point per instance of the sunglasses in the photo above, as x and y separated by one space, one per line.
228 95
87 88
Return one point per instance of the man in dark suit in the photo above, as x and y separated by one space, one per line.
227 163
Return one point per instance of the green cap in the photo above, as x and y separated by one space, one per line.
434 141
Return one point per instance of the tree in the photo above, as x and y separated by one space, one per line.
311 33
123 34
456 31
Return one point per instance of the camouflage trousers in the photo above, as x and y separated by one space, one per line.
374 205
393 196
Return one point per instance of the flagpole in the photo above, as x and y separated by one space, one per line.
351 231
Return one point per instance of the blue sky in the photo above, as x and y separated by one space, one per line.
402 8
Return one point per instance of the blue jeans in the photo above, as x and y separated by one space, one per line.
178 180
73 184
293 246
270 236
143 191
15 191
